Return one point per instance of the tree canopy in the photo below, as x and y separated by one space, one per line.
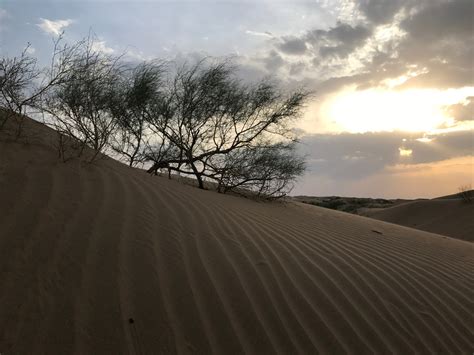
194 119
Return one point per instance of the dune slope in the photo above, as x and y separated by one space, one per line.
451 217
103 259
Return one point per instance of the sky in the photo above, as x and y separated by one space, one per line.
393 82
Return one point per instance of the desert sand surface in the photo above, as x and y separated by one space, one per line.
104 259
452 217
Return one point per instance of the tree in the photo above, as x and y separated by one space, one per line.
137 91
80 103
23 83
466 193
211 118
17 77
198 120
266 170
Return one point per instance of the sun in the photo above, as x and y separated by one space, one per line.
414 110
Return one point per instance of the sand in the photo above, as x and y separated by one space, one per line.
104 259
449 217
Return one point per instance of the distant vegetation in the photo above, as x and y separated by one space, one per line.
366 206
192 119
346 204
466 193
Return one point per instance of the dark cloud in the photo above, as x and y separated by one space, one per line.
383 11
441 75
442 147
342 34
442 20
338 41
438 46
297 68
292 45
273 61
462 112
349 156
440 39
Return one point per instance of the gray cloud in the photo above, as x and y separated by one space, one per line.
348 156
342 34
438 44
259 34
297 68
339 41
442 20
440 39
381 11
462 112
292 45
273 61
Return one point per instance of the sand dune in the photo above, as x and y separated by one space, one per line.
104 259
451 217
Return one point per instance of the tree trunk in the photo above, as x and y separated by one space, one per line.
198 176
152 169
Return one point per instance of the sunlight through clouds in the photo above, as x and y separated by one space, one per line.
405 152
414 110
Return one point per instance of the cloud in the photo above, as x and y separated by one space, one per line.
396 181
54 27
292 45
30 50
445 19
259 34
101 46
382 11
437 42
463 111
395 44
386 164
339 41
273 61
347 156
439 38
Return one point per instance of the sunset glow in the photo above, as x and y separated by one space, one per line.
415 110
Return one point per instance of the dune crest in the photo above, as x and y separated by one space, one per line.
101 258
446 216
